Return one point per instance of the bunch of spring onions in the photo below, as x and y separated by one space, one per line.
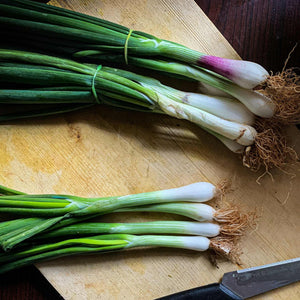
55 30
51 30
49 226
42 79
72 33
38 79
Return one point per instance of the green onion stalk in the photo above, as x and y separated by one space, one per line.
68 32
155 227
206 229
111 242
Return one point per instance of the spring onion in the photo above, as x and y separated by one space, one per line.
206 229
78 32
107 243
196 211
155 227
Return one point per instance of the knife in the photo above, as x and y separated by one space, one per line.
245 283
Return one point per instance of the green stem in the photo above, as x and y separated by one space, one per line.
157 227
7 191
45 97
92 242
28 204
55 254
49 111
27 232
91 245
11 225
198 211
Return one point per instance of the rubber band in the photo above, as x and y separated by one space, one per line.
93 84
126 46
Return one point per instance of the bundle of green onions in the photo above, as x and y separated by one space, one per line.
45 79
51 226
71 33
239 118
33 78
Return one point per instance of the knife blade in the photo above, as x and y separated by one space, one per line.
245 283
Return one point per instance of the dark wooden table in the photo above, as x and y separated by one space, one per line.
261 31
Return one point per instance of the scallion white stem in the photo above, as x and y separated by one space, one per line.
256 102
244 73
155 227
243 134
207 89
195 211
197 243
195 192
225 108
230 144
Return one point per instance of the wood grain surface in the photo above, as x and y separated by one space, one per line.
109 152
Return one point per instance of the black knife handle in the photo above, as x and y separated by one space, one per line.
213 291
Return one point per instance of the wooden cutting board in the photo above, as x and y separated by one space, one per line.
105 151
